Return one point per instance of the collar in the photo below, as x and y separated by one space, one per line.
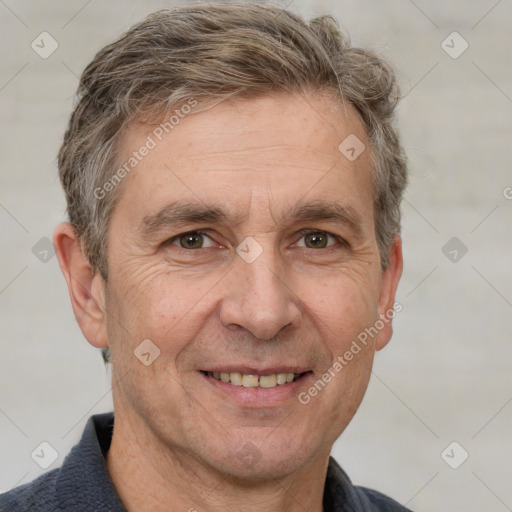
84 483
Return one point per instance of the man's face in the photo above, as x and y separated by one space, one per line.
243 289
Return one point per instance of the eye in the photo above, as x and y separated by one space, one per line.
314 239
191 240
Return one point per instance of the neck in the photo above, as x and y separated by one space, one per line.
151 477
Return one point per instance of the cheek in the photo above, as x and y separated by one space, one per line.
344 305
158 305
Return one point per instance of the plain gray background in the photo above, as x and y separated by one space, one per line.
446 376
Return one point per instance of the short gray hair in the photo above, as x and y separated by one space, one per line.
214 52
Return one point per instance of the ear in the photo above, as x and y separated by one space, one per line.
86 289
389 284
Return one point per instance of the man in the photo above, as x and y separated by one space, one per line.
233 183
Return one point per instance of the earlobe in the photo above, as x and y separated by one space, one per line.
86 288
389 285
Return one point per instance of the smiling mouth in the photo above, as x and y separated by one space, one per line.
256 381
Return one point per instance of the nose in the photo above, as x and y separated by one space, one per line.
258 297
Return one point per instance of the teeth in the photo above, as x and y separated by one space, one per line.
255 381
236 378
250 381
268 381
281 378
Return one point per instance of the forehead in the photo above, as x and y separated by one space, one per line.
279 149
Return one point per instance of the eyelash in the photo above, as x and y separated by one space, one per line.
302 234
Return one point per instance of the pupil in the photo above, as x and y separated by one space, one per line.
316 239
192 241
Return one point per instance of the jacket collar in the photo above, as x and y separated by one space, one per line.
84 481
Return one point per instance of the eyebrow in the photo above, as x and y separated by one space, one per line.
327 211
183 212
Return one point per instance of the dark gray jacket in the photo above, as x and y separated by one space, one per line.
83 484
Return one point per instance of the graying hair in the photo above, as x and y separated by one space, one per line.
214 52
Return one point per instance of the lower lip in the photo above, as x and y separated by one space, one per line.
259 397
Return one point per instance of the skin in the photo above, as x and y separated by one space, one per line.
182 441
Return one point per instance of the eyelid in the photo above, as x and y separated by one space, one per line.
338 238
193 232
302 234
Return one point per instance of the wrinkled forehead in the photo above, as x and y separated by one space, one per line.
277 150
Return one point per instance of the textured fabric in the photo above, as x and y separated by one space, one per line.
340 495
83 484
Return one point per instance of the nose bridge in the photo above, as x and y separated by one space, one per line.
258 297
264 276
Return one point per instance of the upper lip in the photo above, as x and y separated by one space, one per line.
252 370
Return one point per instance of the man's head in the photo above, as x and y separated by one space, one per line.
233 184
207 54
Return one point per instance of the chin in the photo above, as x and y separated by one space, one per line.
252 464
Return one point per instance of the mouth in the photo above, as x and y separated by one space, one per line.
255 379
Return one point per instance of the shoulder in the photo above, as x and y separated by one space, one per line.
81 484
342 495
378 502
37 496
